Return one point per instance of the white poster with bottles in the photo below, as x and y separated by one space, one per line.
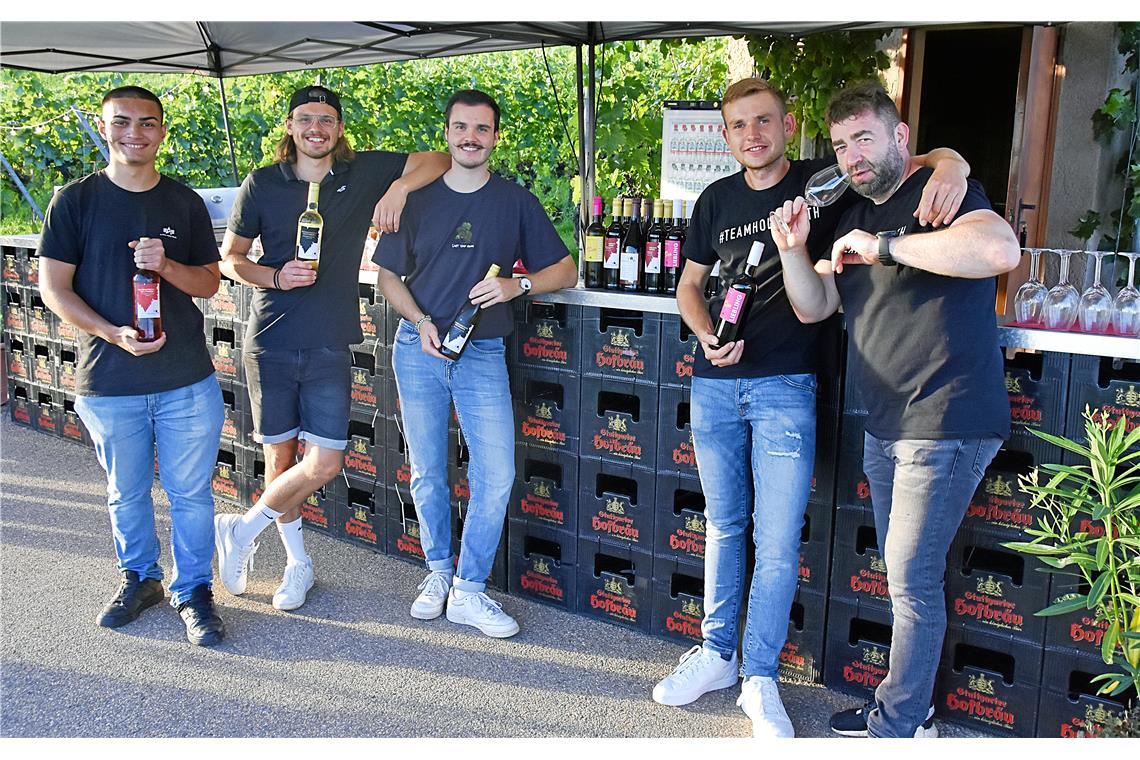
693 151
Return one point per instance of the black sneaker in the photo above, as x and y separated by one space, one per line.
853 722
203 626
132 598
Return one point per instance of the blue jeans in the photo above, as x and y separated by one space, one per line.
920 489
184 425
755 445
477 384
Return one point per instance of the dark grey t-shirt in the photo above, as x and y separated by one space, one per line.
325 314
448 240
89 224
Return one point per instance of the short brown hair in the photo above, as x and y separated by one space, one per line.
131 92
286 150
752 86
862 97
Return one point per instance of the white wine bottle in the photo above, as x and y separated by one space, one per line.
463 327
310 227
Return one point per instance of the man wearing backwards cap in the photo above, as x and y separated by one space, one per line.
302 320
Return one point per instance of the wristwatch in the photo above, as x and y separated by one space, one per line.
525 284
421 320
885 257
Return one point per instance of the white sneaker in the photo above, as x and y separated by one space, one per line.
433 595
294 586
234 561
760 700
699 671
481 611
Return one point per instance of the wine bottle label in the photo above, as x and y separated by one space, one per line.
653 258
146 301
672 254
733 303
628 271
594 247
611 253
309 246
456 338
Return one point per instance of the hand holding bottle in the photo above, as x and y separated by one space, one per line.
494 290
126 338
296 274
725 356
429 340
149 254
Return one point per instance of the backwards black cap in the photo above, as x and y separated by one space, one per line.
315 94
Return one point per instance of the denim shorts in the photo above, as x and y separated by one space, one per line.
300 393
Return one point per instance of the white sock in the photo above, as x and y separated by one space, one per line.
294 541
257 519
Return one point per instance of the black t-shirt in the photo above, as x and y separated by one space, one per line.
448 240
924 352
728 217
89 224
326 313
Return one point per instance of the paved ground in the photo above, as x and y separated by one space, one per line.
351 662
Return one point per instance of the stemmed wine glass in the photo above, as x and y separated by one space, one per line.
1126 307
1029 303
822 189
1062 299
1095 308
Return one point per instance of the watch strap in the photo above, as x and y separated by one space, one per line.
885 257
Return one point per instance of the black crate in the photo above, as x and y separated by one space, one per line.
546 489
373 313
995 590
815 547
988 683
14 267
1069 705
858 571
675 450
403 529
998 506
397 465
546 405
616 503
32 270
20 403
228 303
251 464
47 411
15 309
542 564
67 366
227 482
678 600
320 510
497 576
391 324
361 518
1079 632
852 488
66 333
225 351
802 657
858 646
235 424
614 584
71 426
1037 384
619 421
367 379
44 369
20 357
41 320
548 335
621 344
680 518
678 352
1110 387
364 455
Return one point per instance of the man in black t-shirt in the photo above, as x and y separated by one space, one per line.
924 357
138 398
303 319
753 402
453 231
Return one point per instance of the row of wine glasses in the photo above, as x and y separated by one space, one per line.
1061 306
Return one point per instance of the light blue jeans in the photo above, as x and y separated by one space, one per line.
920 489
184 426
478 386
755 445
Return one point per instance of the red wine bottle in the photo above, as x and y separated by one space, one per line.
737 299
148 305
674 239
654 240
611 248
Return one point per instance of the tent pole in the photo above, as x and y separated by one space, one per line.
584 199
229 134
589 122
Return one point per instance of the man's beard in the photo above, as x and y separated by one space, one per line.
887 174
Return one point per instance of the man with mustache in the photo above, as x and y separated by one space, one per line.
452 232
924 355
302 321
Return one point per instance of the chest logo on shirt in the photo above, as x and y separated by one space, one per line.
754 227
462 236
168 232
342 188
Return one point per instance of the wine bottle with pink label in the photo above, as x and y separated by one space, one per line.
737 299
